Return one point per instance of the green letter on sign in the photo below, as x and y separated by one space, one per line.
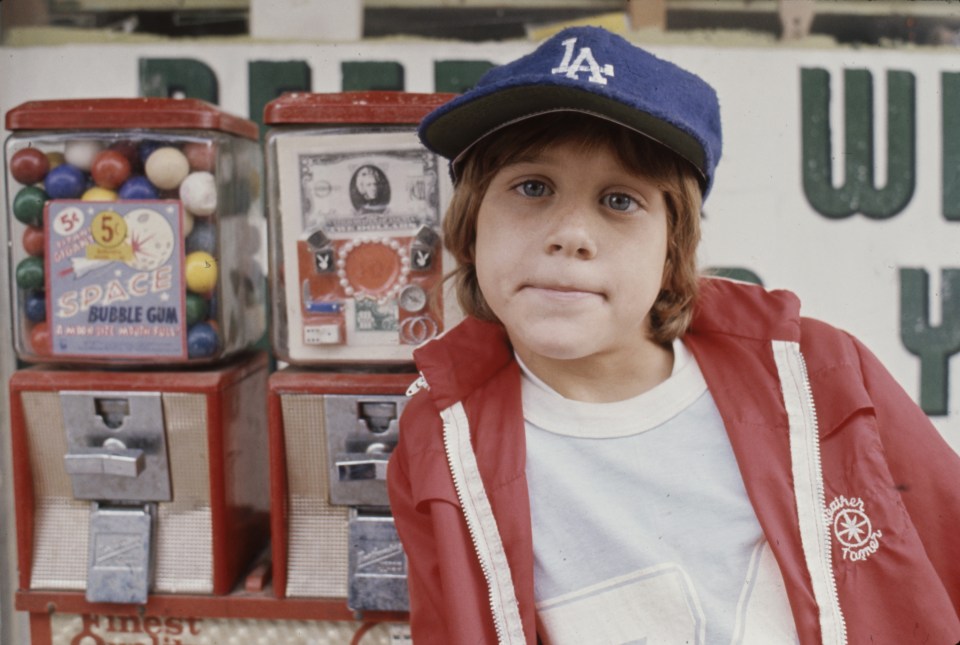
934 345
859 193
270 79
178 78
951 145
370 75
458 76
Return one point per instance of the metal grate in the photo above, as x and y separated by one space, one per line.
317 531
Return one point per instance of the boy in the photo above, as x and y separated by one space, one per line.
609 449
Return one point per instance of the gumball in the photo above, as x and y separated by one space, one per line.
65 182
29 273
110 169
202 341
188 223
28 205
198 192
98 194
200 269
55 158
130 151
166 168
203 237
82 152
29 165
201 155
137 187
35 307
40 340
197 309
33 241
147 148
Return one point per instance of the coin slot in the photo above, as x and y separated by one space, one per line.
377 415
361 433
112 411
357 471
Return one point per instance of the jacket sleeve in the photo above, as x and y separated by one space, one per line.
924 466
415 530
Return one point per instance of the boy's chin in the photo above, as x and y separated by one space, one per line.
569 341
556 347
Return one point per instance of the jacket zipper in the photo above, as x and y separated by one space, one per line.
452 449
481 524
809 488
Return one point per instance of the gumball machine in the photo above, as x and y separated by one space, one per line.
138 295
355 205
138 232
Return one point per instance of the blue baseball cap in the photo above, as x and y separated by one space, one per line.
595 72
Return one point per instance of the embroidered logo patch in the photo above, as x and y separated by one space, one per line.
584 62
852 527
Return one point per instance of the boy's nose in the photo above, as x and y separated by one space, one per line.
570 234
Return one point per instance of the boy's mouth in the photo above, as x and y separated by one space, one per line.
561 291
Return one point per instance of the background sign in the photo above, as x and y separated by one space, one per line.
840 177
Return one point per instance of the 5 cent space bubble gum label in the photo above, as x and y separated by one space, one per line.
115 279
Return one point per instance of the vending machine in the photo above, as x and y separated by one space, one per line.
355 207
138 426
174 484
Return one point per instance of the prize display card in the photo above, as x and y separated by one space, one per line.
361 244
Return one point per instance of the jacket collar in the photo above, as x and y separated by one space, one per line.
746 310
469 354
462 359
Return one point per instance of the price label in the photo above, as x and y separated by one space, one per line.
109 229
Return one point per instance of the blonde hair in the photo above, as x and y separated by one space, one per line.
680 182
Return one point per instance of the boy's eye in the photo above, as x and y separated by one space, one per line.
619 202
533 188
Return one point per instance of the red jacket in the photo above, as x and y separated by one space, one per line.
817 425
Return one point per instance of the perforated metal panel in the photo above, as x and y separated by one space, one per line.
185 525
60 531
317 531
60 541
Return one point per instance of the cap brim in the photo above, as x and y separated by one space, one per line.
456 130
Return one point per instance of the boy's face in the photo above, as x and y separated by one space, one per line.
570 255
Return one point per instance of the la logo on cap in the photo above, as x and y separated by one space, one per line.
584 62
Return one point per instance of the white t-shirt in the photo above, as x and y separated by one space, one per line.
642 529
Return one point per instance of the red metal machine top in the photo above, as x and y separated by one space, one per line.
374 107
127 113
